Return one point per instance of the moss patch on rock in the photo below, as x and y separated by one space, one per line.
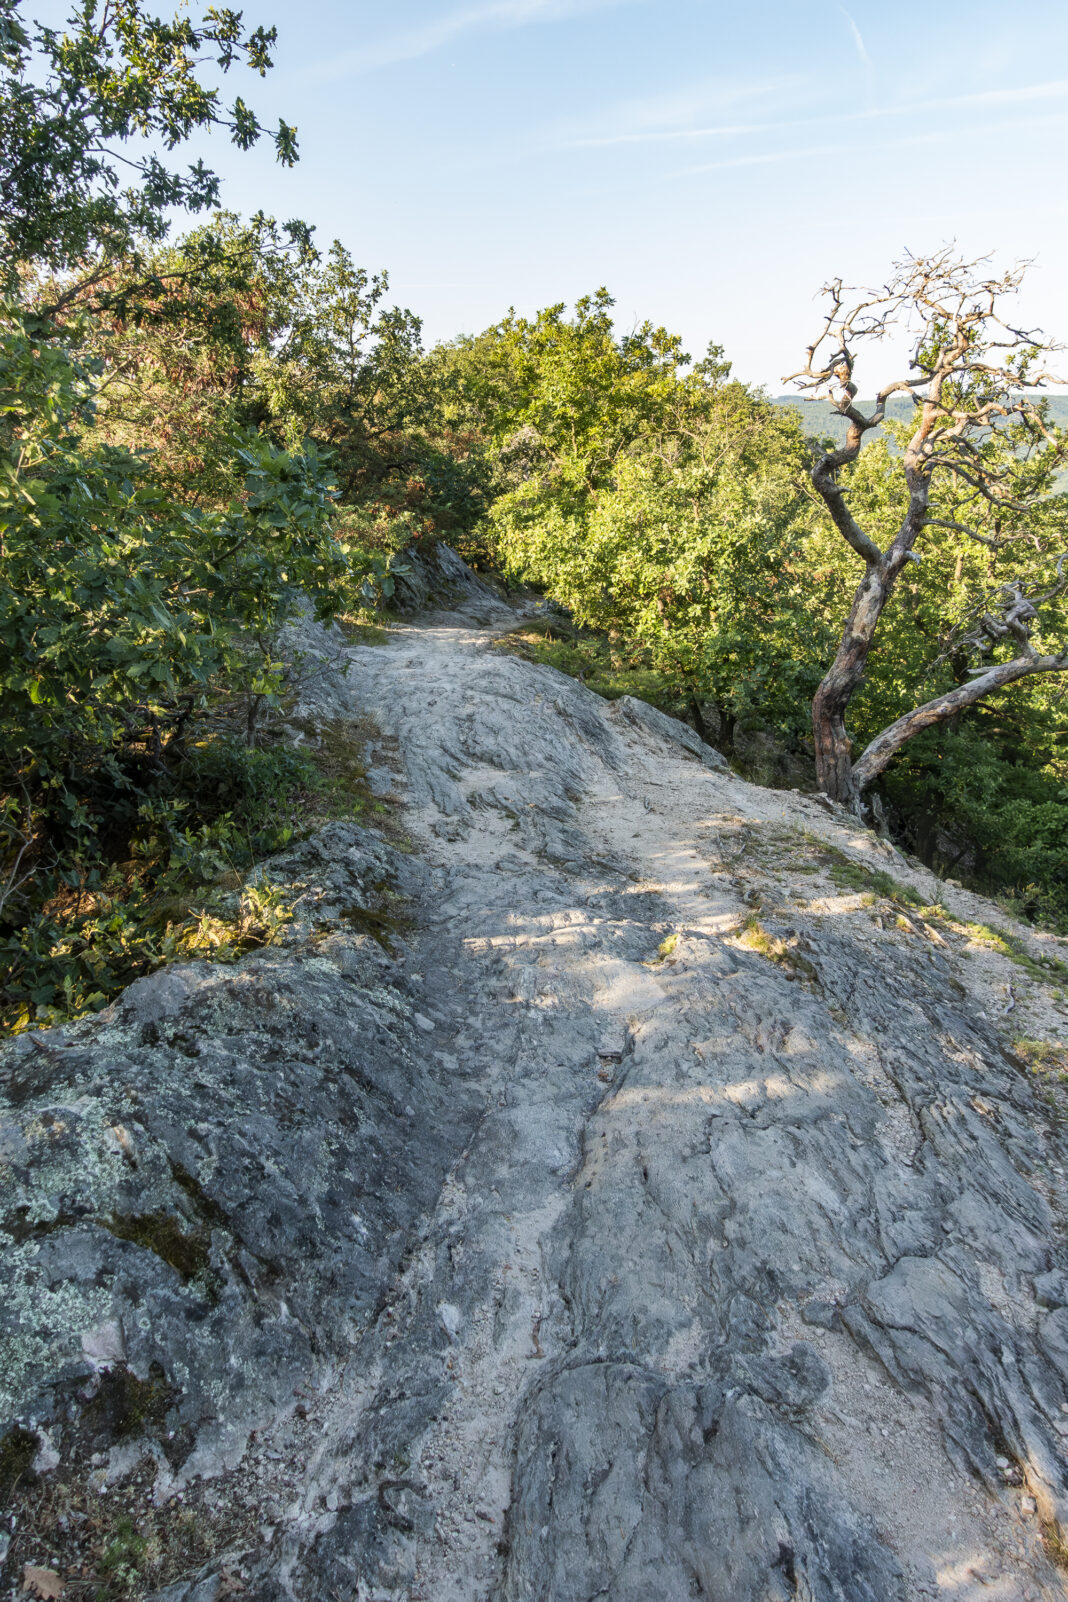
18 1448
187 1252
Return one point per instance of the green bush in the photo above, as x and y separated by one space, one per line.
122 614
124 617
166 884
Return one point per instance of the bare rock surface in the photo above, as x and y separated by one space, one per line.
659 1218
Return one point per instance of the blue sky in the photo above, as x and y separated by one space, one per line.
712 163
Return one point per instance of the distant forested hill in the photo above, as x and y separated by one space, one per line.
819 417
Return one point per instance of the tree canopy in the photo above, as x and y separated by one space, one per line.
88 113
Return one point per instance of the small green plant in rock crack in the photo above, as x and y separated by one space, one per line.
784 952
1009 945
1046 1057
850 875
779 853
1055 1546
871 884
754 937
122 1559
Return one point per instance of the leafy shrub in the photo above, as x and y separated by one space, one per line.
122 616
167 888
990 802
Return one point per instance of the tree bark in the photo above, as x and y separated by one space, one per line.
834 765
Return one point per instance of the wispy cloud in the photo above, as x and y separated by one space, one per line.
678 112
797 153
858 39
408 44
794 153
990 98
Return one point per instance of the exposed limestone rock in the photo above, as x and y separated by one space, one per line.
207 1187
699 1237
435 576
643 716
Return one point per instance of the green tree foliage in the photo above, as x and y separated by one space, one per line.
253 328
129 603
118 603
346 369
669 507
123 614
114 76
664 502
184 370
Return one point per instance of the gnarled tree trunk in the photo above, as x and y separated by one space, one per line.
942 708
969 375
834 763
835 773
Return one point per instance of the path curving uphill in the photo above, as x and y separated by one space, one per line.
663 1218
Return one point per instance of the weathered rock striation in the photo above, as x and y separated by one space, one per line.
656 1219
206 1188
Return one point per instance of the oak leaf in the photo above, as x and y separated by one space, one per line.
44 1583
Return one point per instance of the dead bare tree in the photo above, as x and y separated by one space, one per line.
981 453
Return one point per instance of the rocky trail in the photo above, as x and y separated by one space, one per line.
654 1210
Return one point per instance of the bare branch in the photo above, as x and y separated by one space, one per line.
971 374
886 745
